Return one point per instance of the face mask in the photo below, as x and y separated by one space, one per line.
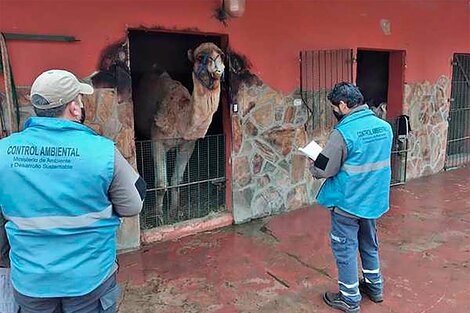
82 118
82 110
338 115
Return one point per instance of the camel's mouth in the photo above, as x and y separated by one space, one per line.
209 79
216 75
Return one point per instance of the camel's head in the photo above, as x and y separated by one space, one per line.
208 64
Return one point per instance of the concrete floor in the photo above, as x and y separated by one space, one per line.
284 263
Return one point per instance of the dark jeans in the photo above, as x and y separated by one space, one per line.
348 235
101 300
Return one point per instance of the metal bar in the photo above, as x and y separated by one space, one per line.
342 63
311 117
189 204
215 180
326 69
460 109
208 172
199 172
317 82
459 139
304 80
406 159
332 83
217 173
39 37
350 67
301 73
337 64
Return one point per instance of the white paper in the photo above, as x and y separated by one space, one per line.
312 150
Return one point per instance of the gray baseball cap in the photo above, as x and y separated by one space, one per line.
58 87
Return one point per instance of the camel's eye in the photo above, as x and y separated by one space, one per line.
203 58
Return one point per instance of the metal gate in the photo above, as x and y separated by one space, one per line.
458 136
399 157
200 192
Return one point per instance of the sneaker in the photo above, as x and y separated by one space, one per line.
335 301
365 289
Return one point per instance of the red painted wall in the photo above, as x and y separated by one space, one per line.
271 33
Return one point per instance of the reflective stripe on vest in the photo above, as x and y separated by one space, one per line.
357 169
60 221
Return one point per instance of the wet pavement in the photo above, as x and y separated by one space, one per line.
284 263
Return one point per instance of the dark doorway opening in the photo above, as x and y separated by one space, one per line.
372 75
380 76
167 51
202 189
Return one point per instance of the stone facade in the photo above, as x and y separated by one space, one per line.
427 105
270 175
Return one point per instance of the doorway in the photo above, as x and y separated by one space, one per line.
372 76
202 189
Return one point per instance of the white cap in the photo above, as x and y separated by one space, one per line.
58 87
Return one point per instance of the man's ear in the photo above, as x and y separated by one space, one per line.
343 106
74 108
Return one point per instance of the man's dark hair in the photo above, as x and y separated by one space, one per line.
52 112
346 92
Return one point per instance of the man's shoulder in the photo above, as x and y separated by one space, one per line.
383 123
336 134
94 136
10 139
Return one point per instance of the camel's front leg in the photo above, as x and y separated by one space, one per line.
159 159
183 154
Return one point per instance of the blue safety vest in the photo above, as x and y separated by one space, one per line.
362 185
54 182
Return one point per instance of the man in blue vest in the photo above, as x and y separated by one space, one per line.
356 165
63 189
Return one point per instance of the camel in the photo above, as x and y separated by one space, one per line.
173 118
